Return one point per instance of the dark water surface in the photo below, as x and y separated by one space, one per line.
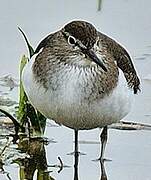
129 23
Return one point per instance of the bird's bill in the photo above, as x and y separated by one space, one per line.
91 54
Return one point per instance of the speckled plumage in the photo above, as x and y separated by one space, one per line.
123 60
65 84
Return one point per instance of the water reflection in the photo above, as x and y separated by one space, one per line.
103 175
103 171
76 162
8 81
36 165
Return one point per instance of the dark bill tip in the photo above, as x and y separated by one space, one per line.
95 59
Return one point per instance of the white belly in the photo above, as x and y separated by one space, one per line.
64 105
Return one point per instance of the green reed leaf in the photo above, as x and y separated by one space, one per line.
30 49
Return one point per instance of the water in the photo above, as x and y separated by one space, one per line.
126 21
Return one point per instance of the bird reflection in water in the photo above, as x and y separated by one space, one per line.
103 171
36 164
103 175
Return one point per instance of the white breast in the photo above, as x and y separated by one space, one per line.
65 105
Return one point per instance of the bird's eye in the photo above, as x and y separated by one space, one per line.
71 40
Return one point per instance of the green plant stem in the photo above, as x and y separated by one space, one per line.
99 5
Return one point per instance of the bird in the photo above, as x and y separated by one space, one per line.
82 79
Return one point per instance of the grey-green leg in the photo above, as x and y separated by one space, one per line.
76 142
76 155
103 137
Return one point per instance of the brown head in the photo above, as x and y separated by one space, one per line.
83 35
82 31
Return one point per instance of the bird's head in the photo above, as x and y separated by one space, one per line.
83 35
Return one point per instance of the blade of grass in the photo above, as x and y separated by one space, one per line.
15 122
99 5
30 49
42 121
26 110
22 111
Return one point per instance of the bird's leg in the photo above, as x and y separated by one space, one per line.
76 142
75 151
103 137
76 155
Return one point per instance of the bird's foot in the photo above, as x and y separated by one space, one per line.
74 153
102 160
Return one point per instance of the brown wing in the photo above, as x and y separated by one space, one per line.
47 41
123 59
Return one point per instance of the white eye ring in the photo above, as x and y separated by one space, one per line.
71 40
